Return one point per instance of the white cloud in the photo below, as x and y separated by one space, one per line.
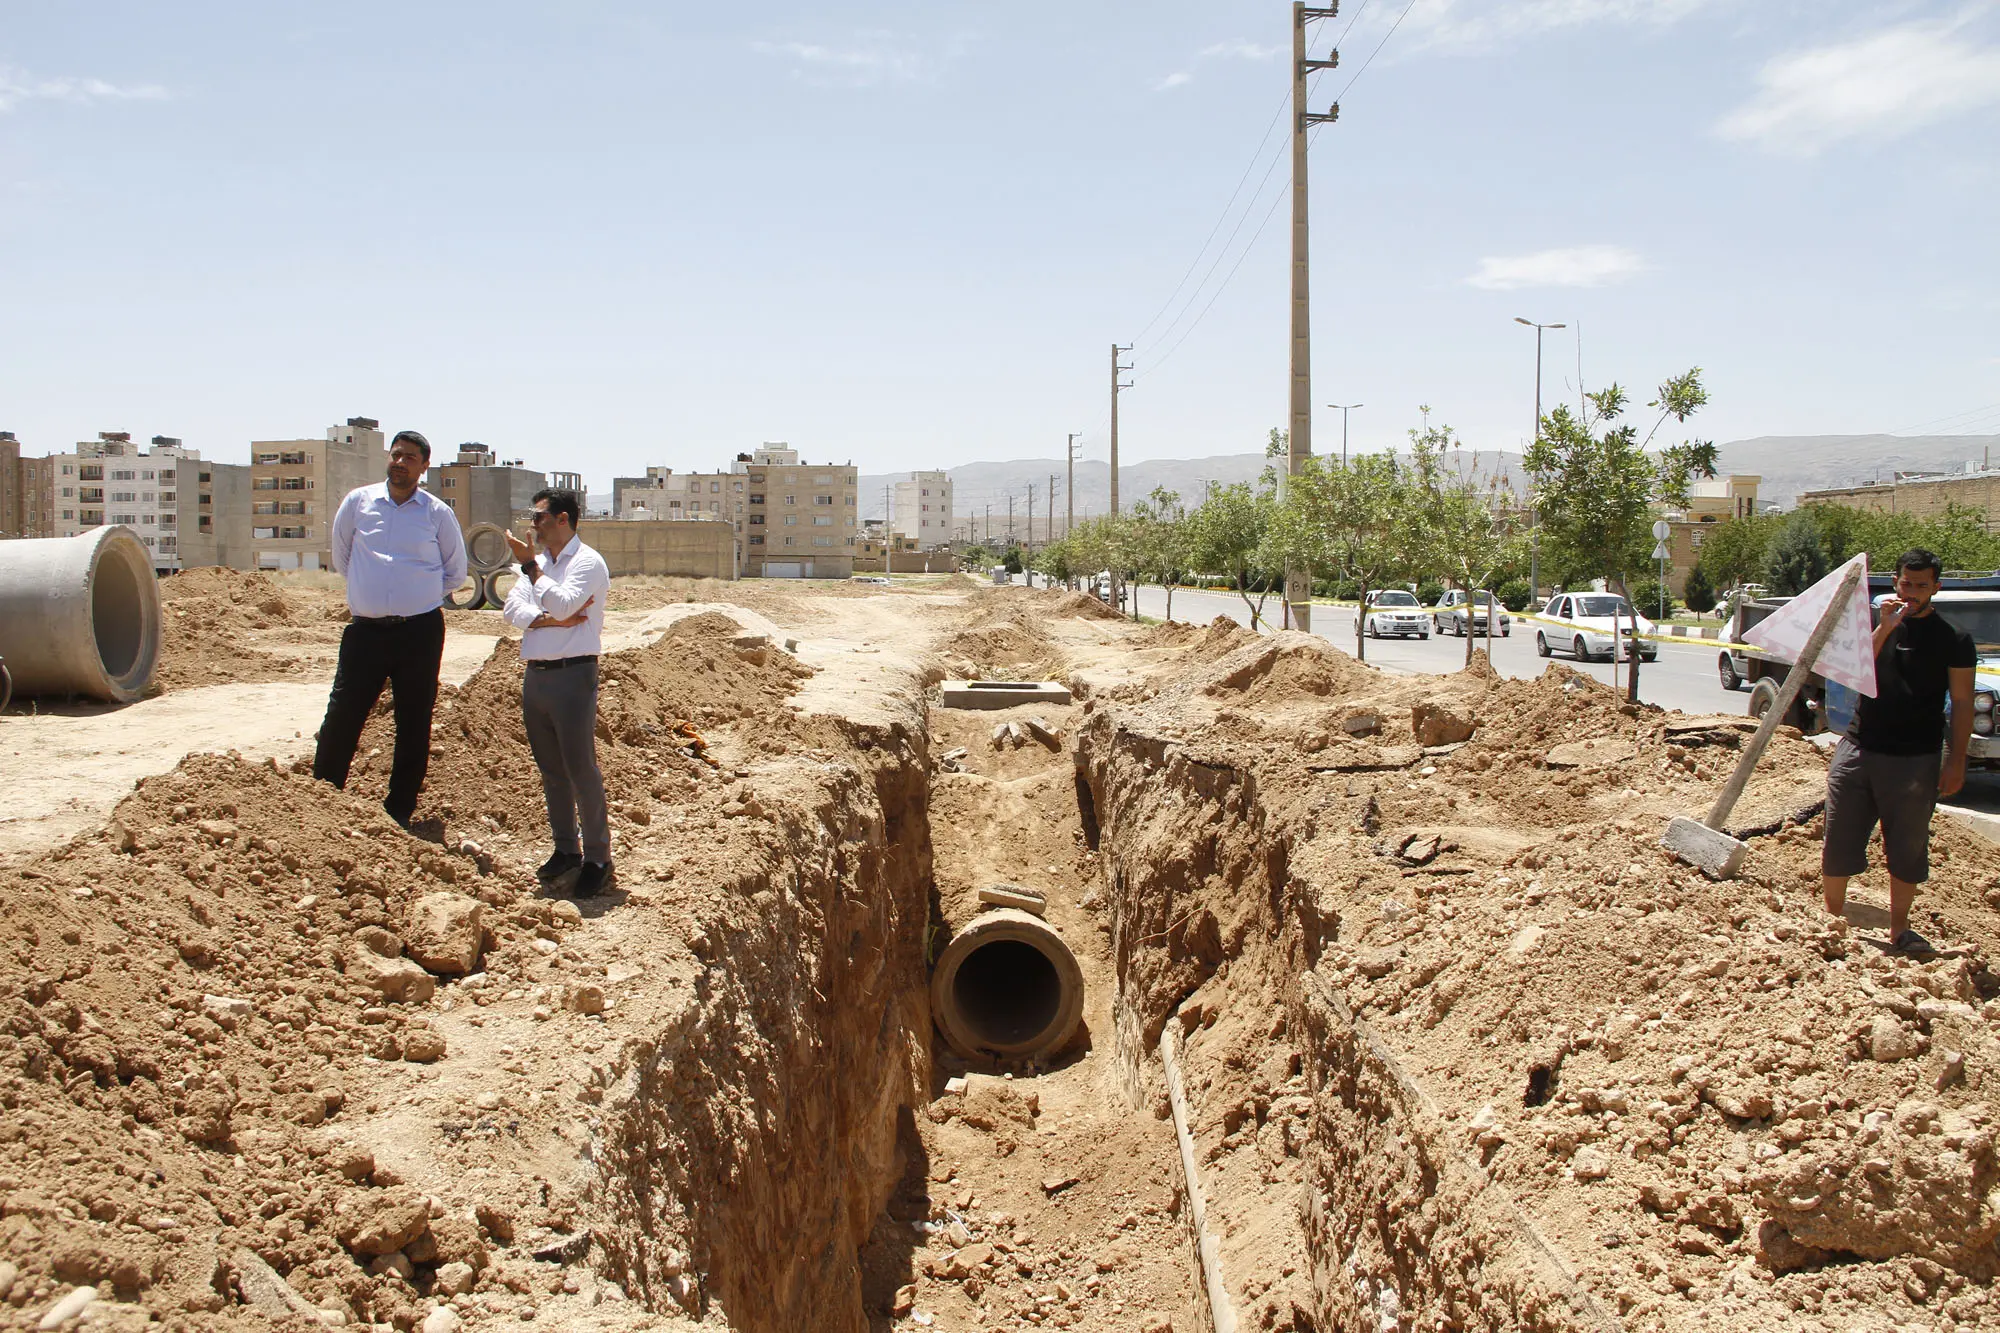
1236 48
1578 266
17 86
1471 23
1875 87
871 58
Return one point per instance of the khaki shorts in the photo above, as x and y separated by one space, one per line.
1898 791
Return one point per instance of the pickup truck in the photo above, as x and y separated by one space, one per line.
1978 614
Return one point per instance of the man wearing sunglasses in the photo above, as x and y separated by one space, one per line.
401 552
558 603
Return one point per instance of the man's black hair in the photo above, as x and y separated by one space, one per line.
561 502
1917 560
414 437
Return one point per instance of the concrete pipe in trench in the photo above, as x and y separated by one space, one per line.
1007 985
80 616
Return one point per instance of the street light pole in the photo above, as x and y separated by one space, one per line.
1345 408
1534 517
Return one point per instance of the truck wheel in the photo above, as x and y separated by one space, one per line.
1763 698
1726 669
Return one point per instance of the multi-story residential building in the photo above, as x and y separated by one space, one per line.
38 497
12 520
803 519
481 489
156 493
296 485
922 509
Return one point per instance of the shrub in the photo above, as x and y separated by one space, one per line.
1797 560
1646 596
1514 594
1699 592
1429 592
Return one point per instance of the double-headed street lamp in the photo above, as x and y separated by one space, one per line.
1345 408
1534 528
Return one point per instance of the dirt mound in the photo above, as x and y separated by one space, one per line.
1082 606
212 976
213 621
1279 669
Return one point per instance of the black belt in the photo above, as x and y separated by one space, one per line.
389 620
556 663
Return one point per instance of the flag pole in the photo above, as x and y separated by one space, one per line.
1795 680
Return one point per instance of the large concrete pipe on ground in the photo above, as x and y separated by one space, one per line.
1007 985
486 548
80 616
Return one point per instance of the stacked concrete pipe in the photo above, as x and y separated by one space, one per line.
1007 985
80 616
486 557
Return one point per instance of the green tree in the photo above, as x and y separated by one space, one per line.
1798 558
1733 551
1698 591
1460 531
1226 535
1596 493
1357 520
1161 541
1278 444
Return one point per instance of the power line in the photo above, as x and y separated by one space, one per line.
1975 413
1378 48
1269 213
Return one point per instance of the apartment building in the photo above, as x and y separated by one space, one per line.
803 519
1711 500
922 509
296 485
12 521
482 489
156 492
38 497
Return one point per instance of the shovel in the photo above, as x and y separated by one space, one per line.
1702 843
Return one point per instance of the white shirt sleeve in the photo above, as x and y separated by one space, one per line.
522 605
563 598
343 531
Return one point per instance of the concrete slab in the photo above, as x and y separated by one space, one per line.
1001 693
1708 850
1013 895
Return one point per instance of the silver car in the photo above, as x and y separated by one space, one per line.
1450 615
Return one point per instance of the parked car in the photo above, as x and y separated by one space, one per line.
1449 615
1591 625
870 578
1395 611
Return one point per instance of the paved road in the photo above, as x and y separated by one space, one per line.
1683 678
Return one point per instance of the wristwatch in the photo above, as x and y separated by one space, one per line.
528 569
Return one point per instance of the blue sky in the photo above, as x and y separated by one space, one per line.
601 235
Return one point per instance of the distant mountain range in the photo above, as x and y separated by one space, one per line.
1788 465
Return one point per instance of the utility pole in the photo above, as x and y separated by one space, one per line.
1031 519
1069 492
989 523
1116 370
1298 582
1534 526
1010 518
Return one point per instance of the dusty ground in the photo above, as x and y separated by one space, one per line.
1463 1048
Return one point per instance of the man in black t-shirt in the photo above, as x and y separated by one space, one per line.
1888 767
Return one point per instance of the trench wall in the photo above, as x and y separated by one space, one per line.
1210 909
747 1146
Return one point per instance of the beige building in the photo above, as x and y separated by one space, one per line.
1922 494
296 485
922 509
1710 501
790 519
38 497
159 493
692 549
482 489
12 520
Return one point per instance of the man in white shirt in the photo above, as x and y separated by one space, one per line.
559 604
401 551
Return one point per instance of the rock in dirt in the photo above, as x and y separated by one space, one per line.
563 1249
423 1046
265 1289
1438 723
68 1308
1603 752
1361 724
443 1319
992 1102
1043 732
398 980
444 933
1890 1040
386 1223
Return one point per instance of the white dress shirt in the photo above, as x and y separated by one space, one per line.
562 583
399 559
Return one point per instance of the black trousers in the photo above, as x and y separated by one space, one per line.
405 656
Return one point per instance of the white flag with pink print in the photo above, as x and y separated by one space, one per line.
1849 655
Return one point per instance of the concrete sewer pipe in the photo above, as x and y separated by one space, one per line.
1007 985
80 616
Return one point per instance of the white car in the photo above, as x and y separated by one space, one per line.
1394 611
1591 625
876 579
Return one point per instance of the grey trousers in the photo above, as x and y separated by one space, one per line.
559 709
